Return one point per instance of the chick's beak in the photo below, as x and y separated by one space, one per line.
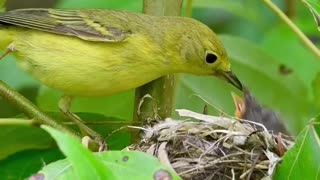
231 78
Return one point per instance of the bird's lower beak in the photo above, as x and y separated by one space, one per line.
231 78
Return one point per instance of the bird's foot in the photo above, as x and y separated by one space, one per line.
97 145
87 132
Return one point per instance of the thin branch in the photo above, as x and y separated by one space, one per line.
28 108
17 121
293 27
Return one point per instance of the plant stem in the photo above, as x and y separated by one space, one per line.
2 5
189 8
290 8
293 27
28 108
18 122
160 91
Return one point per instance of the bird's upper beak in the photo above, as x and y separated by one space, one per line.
231 78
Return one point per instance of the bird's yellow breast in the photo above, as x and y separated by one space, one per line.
83 68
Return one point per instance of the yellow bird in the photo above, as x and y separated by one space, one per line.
95 52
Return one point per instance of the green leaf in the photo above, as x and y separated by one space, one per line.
314 7
302 161
128 165
85 164
15 138
285 46
123 164
23 164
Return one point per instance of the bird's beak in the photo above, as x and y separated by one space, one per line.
231 78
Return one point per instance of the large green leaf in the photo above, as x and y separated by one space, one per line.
23 164
85 164
123 164
285 46
302 161
115 165
15 138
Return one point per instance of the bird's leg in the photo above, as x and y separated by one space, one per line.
9 49
64 106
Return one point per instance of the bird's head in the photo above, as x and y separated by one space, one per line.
202 53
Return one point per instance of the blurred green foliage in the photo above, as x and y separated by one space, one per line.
279 70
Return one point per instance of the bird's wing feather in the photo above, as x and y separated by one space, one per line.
65 22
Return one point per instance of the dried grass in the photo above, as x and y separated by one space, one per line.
206 147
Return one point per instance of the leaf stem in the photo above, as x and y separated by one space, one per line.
293 27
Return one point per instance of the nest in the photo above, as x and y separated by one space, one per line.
207 147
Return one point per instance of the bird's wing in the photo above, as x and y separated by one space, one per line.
65 22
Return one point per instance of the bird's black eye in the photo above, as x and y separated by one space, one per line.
211 58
